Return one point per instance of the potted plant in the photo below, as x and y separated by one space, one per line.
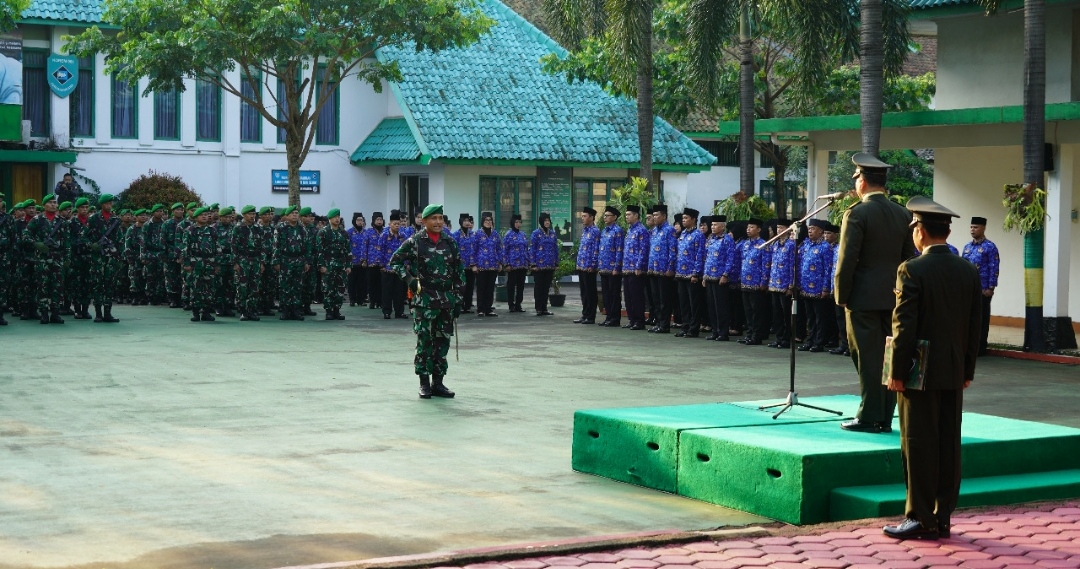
566 267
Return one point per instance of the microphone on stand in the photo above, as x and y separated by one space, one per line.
832 197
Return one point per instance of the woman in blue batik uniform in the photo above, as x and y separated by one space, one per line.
486 262
544 253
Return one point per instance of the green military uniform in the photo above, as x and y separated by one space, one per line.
185 277
153 257
45 234
247 251
874 240
307 292
172 246
939 300
24 261
201 247
333 253
8 242
268 282
225 286
435 275
133 240
291 255
103 235
123 283
79 285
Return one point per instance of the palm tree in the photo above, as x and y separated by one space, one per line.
883 42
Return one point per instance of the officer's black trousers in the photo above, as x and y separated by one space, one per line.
634 291
664 295
758 313
542 286
822 315
515 287
587 288
358 279
781 316
374 286
930 451
470 286
611 288
393 294
692 304
485 291
719 300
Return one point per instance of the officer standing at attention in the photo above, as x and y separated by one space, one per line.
246 247
543 259
588 259
103 235
430 264
874 240
984 255
333 254
938 300
663 249
515 261
689 267
609 265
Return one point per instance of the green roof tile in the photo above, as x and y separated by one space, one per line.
391 141
492 101
88 11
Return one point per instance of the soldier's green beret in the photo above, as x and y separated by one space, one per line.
139 211
305 211
248 209
81 202
124 211
199 211
105 198
333 213
65 205
29 203
265 210
432 209
176 205
48 198
226 210
214 206
288 210
156 207
192 205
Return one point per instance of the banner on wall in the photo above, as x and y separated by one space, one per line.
62 72
556 197
310 180
11 67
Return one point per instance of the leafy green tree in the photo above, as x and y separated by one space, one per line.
271 43
10 12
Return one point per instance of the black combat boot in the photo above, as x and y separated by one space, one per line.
208 315
85 313
298 313
2 310
65 310
425 387
329 315
244 317
440 390
174 300
254 316
44 317
97 313
108 315
55 318
78 311
195 316
337 314
286 314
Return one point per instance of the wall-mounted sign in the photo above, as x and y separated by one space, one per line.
62 72
556 198
11 68
309 181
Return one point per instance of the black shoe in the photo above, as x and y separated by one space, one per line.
244 317
400 316
944 526
308 311
195 316
817 349
805 348
783 345
55 318
440 390
108 315
493 314
425 387
663 330
723 338
467 311
653 329
628 325
753 342
97 313
545 313
373 306
44 317
650 321
580 320
298 314
712 337
611 324
638 326
480 315
337 315
589 322
910 529
773 344
208 316
254 316
329 316
386 316
857 426
837 351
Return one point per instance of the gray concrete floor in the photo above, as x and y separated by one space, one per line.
162 443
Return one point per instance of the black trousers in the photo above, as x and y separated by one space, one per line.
692 304
781 316
542 286
841 326
393 294
985 324
587 288
718 298
485 291
634 291
867 330
611 288
738 313
757 308
515 287
652 305
664 296
374 289
358 284
822 316
802 318
470 286
930 449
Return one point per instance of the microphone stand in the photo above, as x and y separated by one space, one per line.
792 397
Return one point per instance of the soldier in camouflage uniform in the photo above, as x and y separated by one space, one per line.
123 284
311 232
153 256
45 234
430 264
225 278
103 235
24 260
185 276
77 281
171 245
8 242
268 283
246 246
333 252
65 298
201 247
133 239
291 260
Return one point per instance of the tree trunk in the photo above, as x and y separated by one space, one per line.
293 147
1034 150
645 105
871 75
746 104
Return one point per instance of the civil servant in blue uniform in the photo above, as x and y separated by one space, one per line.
754 280
635 266
588 259
515 262
609 265
689 266
781 284
663 250
543 258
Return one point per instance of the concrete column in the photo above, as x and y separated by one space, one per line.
102 102
146 115
230 117
820 166
1059 232
188 114
60 109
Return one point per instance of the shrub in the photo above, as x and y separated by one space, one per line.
152 188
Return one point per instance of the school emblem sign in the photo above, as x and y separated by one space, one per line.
63 74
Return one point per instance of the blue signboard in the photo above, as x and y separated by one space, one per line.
62 73
309 181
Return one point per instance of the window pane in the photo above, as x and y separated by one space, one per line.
123 109
525 204
507 194
250 119
82 100
35 97
166 115
487 196
281 112
207 111
326 129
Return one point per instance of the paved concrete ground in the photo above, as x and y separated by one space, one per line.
162 443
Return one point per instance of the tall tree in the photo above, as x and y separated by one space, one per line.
297 51
881 52
10 12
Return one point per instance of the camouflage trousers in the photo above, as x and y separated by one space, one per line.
6 277
433 328
104 271
185 290
77 284
333 286
48 271
201 284
25 286
136 277
268 287
154 276
307 293
291 282
225 287
123 285
247 280
174 276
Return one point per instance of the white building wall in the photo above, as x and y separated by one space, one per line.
705 188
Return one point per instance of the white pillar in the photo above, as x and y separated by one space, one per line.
102 102
1059 233
188 116
146 115
821 175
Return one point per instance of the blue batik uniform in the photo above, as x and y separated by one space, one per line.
830 283
815 268
735 275
407 232
465 246
635 255
371 247
663 250
588 256
487 250
544 249
755 264
984 255
952 249
515 250
610 254
719 258
358 245
388 244
690 255
782 266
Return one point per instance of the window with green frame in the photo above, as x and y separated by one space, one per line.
125 109
167 115
281 98
595 193
35 92
207 111
326 128
505 196
250 119
81 101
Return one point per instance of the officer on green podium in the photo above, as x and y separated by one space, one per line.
430 264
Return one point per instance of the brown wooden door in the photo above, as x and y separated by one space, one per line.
27 182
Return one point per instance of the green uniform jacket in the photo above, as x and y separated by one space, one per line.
874 240
437 266
939 299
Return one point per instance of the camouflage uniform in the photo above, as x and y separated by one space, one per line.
132 251
103 234
185 277
8 242
201 247
78 284
291 253
153 258
333 251
46 238
437 268
24 260
268 284
123 284
246 245
225 279
307 292
172 245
